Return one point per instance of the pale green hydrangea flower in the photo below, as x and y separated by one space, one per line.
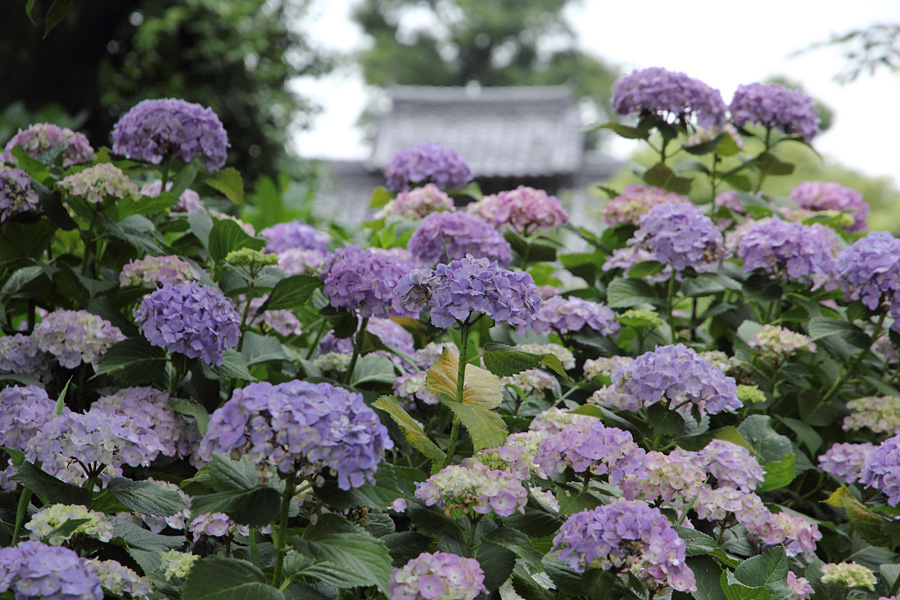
849 575
46 521
176 564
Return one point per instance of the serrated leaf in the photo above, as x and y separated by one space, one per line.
227 236
227 474
254 507
234 365
378 496
48 486
628 293
229 182
645 269
373 368
868 524
738 591
191 409
696 542
504 361
768 445
487 428
707 574
145 497
820 327
778 474
767 568
145 205
134 361
411 430
497 562
480 388
517 542
291 292
218 578
660 175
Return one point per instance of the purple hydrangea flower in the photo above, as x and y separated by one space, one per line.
155 129
523 209
417 203
730 464
35 571
669 94
23 412
446 236
628 537
635 201
76 337
869 271
455 291
215 525
156 271
882 469
572 314
678 376
41 137
846 461
190 318
189 201
474 488
589 446
20 354
789 251
302 427
438 576
16 193
364 281
800 587
299 262
293 235
829 195
389 332
670 478
411 387
682 236
775 107
427 163
100 182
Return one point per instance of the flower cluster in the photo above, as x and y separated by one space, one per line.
516 455
628 537
23 412
731 465
43 137
299 262
474 488
775 107
605 365
293 235
417 203
677 375
555 419
869 271
789 251
35 571
20 354
530 381
364 281
635 201
446 236
412 386
97 183
829 195
719 360
523 209
777 343
453 292
799 586
188 201
302 427
798 535
190 318
17 195
680 235
589 446
176 564
669 478
882 469
878 414
427 163
154 130
155 271
215 525
76 337
669 94
47 520
120 580
849 575
438 576
572 314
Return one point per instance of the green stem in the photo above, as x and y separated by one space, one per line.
670 300
280 532
473 526
845 373
323 326
764 173
245 316
356 349
460 387
166 165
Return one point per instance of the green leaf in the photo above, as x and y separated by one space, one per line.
504 361
868 524
497 562
29 7
234 365
227 474
373 368
628 293
727 433
696 543
810 438
624 131
662 176
255 507
20 279
517 542
707 574
380 197
778 474
411 429
191 409
334 539
291 292
767 568
227 236
145 206
645 269
57 13
229 182
48 486
258 349
770 164
201 226
768 445
145 497
486 427
143 545
738 591
820 327
217 578
134 361
379 496
534 523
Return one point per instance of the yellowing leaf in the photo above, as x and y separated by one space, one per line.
411 430
481 387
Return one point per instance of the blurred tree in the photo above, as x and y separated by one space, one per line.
491 42
236 57
866 50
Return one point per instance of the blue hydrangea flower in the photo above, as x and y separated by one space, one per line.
882 469
16 193
789 251
190 318
155 129
775 107
455 291
438 576
669 94
364 281
293 235
573 314
427 163
446 236
23 412
589 446
846 461
35 571
627 537
682 236
307 428
869 271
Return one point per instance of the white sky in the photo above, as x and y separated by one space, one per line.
719 42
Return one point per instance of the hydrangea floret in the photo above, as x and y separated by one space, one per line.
47 520
799 586
605 365
869 271
427 163
474 488
438 576
42 137
294 235
882 469
830 195
417 203
188 201
775 106
445 236
301 427
98 183
682 236
669 95
572 314
530 381
848 575
154 130
635 201
17 195
778 343
155 271
20 354
36 571
176 564
411 386
23 412
789 251
668 478
524 209
628 537
879 414
215 524
364 280
74 337
846 460
120 580
195 320
731 465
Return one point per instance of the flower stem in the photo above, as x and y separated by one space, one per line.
862 355
356 349
460 388
166 165
473 526
280 532
670 300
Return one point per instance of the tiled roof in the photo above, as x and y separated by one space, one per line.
500 132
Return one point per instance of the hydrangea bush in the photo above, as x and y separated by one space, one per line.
695 396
